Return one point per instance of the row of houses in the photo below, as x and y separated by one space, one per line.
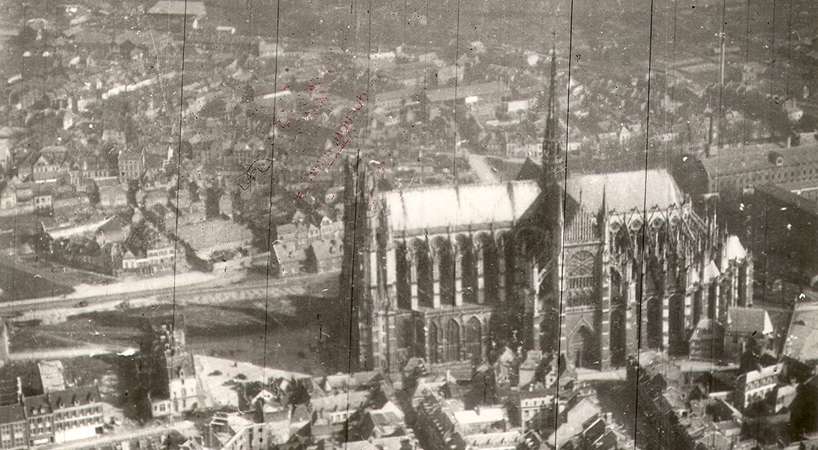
311 245
47 410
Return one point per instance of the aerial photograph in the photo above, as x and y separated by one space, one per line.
409 224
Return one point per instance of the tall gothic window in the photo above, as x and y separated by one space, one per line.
581 280
453 341
474 337
434 341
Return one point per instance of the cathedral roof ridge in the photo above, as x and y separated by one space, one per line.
439 187
450 206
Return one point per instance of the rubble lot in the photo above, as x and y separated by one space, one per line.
220 378
295 326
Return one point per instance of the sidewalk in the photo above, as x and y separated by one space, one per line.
186 428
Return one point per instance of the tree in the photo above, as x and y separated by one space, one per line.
248 94
804 411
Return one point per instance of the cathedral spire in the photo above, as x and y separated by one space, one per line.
551 185
551 148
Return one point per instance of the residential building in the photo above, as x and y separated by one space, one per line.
131 165
801 343
172 386
707 340
171 15
324 256
385 421
407 442
59 416
784 395
159 258
51 376
112 193
289 260
336 409
744 324
8 197
584 427
13 427
39 420
754 387
737 168
536 408
240 432
213 235
77 414
49 164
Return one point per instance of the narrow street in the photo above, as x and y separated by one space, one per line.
481 168
186 428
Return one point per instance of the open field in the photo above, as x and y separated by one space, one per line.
296 330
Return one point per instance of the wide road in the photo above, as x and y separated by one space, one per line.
278 287
65 353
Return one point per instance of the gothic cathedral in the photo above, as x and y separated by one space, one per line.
593 267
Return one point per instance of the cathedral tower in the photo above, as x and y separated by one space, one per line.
551 184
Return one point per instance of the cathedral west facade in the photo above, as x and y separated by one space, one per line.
593 267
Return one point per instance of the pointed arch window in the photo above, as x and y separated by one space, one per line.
453 341
581 279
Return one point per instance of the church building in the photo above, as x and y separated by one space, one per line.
591 266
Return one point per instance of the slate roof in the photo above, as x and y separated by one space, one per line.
326 249
749 321
345 401
802 338
439 207
733 250
624 191
51 375
213 233
757 157
67 397
384 443
178 8
784 196
11 414
36 405
285 253
182 363
448 93
577 416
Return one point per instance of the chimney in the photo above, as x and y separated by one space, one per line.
19 390
789 141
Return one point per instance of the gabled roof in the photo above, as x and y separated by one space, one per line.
754 321
325 249
440 207
11 414
178 8
733 250
285 253
784 196
68 397
624 191
35 403
758 157
113 225
711 272
448 93
802 337
51 375
573 425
